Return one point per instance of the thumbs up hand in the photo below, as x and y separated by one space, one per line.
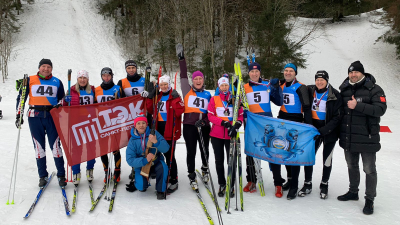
352 103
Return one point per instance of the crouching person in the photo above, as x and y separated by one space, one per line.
135 156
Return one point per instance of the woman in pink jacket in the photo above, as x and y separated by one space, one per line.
220 114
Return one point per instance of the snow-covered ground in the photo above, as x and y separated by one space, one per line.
74 36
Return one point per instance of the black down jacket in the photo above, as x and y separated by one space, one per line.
359 131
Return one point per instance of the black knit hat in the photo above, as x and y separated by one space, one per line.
253 66
45 61
130 63
322 74
107 70
356 66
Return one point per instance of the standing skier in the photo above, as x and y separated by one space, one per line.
196 100
220 114
259 93
169 119
296 102
45 92
108 91
82 93
132 84
326 116
135 156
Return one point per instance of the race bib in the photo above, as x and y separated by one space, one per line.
105 98
130 91
85 99
288 99
257 97
44 91
197 102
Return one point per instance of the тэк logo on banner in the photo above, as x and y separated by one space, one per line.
109 122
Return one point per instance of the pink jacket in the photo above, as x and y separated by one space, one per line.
217 130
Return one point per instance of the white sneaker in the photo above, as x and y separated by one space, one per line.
89 175
77 178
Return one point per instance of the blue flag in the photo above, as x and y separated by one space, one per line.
280 141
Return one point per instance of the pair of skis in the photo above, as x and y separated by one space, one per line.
112 199
41 191
76 194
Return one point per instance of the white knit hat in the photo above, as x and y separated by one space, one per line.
82 73
223 80
165 79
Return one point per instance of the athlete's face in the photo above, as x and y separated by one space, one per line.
254 75
320 83
289 74
82 81
45 70
198 82
106 77
224 87
131 70
164 87
355 76
141 127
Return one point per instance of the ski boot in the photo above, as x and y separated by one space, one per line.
43 181
193 181
306 189
89 175
117 175
76 179
221 191
62 181
324 190
250 187
173 186
205 175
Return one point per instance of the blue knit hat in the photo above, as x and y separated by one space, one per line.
253 66
291 65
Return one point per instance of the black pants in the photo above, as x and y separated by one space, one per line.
174 168
191 136
250 170
218 146
117 160
327 154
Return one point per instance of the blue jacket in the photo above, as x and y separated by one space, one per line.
135 154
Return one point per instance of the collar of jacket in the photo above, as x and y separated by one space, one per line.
43 77
331 95
369 83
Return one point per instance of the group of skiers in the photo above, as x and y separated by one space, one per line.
352 115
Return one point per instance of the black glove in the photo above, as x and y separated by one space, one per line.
131 186
175 94
17 124
200 123
151 91
226 124
179 51
57 106
232 132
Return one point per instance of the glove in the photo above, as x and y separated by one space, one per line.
17 124
131 187
67 98
226 124
144 94
200 123
151 91
274 81
175 94
232 132
57 106
179 51
282 82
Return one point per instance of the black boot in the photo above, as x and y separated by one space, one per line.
132 175
324 190
160 195
348 196
369 207
43 181
292 193
221 191
286 185
131 186
62 181
306 189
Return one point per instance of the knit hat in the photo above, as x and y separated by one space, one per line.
197 74
107 70
291 65
254 66
82 73
140 117
223 80
226 75
45 61
322 74
130 63
165 79
356 66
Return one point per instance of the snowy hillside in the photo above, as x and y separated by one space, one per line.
74 36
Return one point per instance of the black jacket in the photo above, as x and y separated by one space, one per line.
359 131
334 112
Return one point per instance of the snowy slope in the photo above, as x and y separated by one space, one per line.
73 35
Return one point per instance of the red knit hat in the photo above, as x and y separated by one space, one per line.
140 117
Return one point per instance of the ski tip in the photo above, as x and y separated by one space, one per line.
7 202
12 203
